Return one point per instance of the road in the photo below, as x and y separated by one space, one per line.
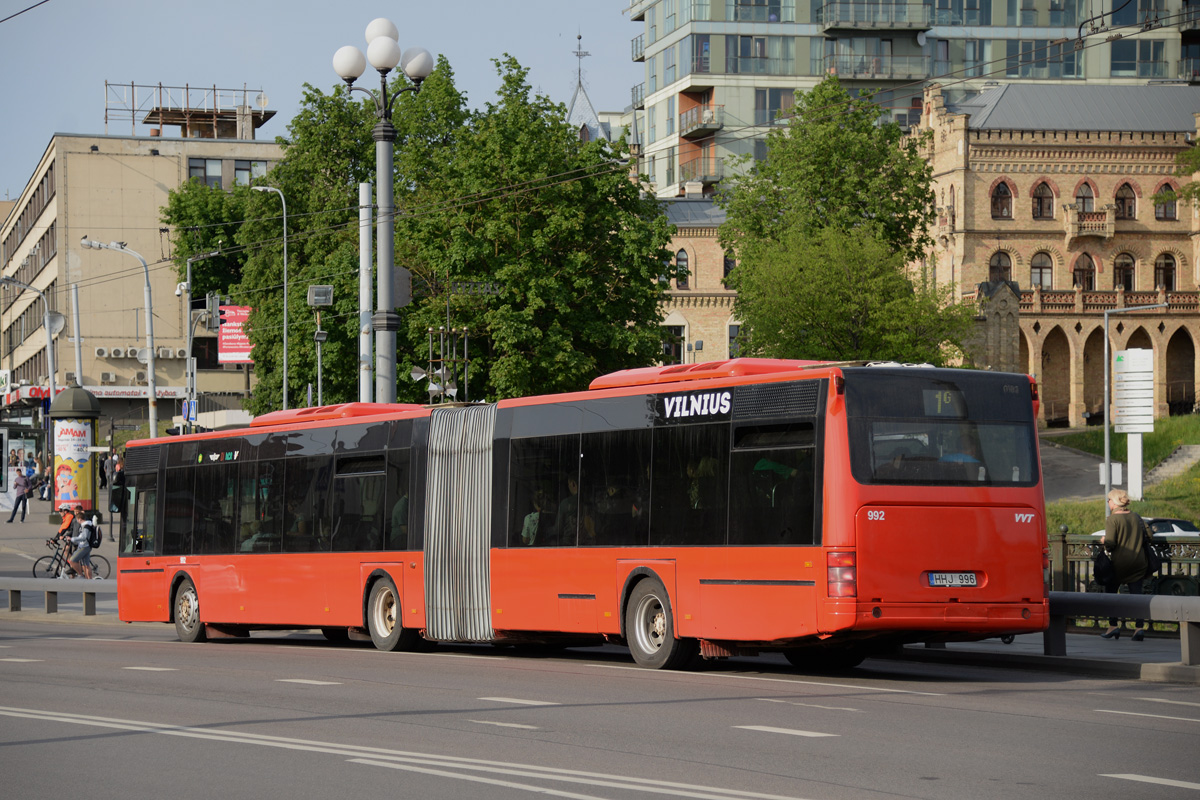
106 710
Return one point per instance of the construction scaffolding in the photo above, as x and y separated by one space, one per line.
199 112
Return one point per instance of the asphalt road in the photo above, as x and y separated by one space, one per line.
108 711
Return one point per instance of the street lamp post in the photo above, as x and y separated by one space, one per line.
151 385
189 367
47 318
383 51
1107 405
283 200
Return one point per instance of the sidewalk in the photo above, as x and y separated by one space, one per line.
1156 659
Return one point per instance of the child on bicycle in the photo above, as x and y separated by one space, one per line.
80 559
65 536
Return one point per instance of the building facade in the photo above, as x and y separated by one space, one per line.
720 72
112 188
1051 190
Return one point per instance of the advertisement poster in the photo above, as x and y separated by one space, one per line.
73 463
233 345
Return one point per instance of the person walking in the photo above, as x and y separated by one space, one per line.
1123 532
105 472
21 500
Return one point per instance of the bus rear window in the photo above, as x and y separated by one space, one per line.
934 427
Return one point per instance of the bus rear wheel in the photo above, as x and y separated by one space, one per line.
383 618
186 606
650 629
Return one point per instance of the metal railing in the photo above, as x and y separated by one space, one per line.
875 15
638 47
1068 605
706 118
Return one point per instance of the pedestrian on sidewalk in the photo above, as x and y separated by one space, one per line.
21 500
1123 541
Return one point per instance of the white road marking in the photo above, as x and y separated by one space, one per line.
810 705
520 702
21 660
1158 781
788 731
154 669
1172 702
307 681
1151 716
400 758
504 724
707 675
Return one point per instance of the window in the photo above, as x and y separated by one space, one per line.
545 492
207 170
1041 270
1085 273
1165 211
669 66
1164 272
672 346
670 115
653 125
1141 58
1085 199
1123 272
771 105
246 171
729 263
772 489
651 74
1126 202
1001 202
690 484
615 485
681 265
1043 202
734 347
1000 267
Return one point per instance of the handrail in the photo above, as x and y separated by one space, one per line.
1164 608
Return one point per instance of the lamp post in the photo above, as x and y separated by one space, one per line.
383 51
189 365
283 200
151 386
48 317
1107 427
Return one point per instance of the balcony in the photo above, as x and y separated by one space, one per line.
638 47
1080 224
1189 69
1081 301
858 16
638 8
701 121
706 169
759 65
638 96
850 67
1189 19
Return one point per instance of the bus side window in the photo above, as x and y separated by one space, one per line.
690 484
542 469
772 491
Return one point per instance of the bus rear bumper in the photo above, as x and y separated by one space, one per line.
956 617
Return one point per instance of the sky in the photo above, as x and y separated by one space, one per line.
56 56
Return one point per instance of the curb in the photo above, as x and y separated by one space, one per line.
1157 672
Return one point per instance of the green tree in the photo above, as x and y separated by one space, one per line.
206 219
823 228
1187 164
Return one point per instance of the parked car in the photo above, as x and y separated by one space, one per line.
1167 526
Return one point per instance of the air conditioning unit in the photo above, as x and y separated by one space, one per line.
70 377
101 352
116 352
108 377
132 350
166 352
140 376
43 378
181 352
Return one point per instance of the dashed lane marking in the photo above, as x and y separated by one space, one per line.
719 676
153 669
308 682
810 705
21 660
788 731
1157 781
519 701
1137 714
505 724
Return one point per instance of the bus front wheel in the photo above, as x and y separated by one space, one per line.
650 629
383 618
187 613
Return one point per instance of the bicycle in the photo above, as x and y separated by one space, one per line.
52 566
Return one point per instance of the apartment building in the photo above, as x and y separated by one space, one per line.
110 187
719 72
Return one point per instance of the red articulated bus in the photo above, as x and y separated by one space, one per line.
822 510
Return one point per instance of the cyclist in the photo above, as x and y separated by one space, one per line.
66 531
81 559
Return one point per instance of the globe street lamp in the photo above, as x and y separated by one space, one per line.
384 53
151 386
283 200
52 321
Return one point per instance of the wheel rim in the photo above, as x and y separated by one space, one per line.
651 631
187 609
384 616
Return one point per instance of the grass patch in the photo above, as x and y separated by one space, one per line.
1169 433
1174 497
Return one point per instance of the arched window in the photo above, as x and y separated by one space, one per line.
1164 272
1085 273
1001 202
681 263
729 263
952 207
1123 272
1041 270
1043 202
1126 202
1084 198
1165 210
1000 267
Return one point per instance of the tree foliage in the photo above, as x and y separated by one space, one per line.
1187 164
506 195
822 230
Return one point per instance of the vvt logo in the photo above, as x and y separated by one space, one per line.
1023 517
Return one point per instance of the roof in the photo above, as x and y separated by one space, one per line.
581 114
1161 109
694 212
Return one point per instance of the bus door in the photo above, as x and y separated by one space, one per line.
141 579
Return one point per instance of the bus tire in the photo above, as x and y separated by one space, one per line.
650 629
185 608
383 618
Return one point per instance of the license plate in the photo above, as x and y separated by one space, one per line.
952 579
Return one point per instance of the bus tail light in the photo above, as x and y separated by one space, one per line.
843 574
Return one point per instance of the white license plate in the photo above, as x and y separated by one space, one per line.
952 579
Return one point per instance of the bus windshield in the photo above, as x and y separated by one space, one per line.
940 427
